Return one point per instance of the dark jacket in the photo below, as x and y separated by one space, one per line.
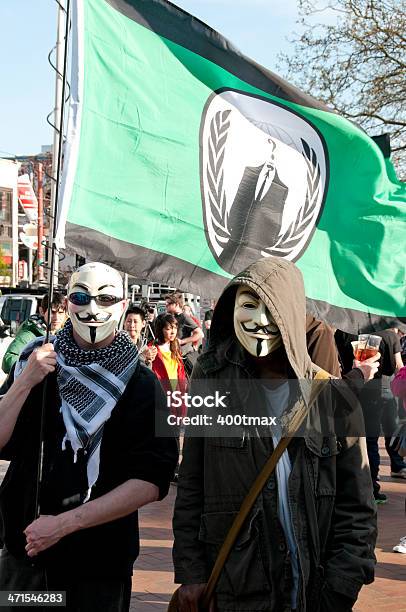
129 450
330 492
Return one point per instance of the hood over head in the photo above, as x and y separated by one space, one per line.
279 284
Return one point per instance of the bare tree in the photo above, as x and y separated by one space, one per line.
356 64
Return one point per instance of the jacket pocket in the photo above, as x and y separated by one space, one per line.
322 455
322 446
238 442
243 574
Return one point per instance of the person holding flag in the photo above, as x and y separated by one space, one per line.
101 459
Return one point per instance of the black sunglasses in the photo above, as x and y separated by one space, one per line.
80 298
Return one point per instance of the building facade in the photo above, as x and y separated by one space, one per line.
9 220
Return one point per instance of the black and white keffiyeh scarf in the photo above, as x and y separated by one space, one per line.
90 384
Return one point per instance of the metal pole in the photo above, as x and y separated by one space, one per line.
53 256
58 133
29 267
40 250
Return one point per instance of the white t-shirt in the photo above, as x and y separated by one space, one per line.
277 402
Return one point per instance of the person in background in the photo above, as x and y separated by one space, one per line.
402 340
35 327
187 310
151 315
321 346
169 369
378 405
398 386
208 315
344 348
391 364
168 363
379 399
134 325
188 331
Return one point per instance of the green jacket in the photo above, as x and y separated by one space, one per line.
28 330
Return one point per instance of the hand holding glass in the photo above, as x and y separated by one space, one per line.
366 347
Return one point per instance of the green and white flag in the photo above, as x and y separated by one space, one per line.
186 161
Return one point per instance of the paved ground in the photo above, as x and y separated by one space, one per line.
153 577
388 592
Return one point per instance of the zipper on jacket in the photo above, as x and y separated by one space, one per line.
242 439
301 591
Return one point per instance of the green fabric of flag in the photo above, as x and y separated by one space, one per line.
186 161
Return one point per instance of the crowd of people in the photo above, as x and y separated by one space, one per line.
308 541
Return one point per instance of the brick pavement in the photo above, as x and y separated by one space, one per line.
388 592
153 577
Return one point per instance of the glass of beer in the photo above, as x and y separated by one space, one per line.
366 347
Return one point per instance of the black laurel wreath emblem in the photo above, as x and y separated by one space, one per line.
288 241
219 127
295 232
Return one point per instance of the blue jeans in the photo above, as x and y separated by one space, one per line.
82 594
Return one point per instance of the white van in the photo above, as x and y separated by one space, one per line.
17 308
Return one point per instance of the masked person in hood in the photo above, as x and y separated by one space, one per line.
308 543
102 460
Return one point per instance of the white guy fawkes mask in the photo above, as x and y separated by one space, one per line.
95 301
254 325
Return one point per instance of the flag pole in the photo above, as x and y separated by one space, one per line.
60 89
58 105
